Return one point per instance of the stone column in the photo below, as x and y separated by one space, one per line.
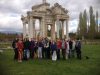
30 28
24 30
34 28
58 24
46 30
42 27
40 32
53 31
62 29
67 35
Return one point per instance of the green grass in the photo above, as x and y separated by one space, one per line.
5 44
47 67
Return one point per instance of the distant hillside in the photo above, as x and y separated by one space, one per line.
10 32
9 35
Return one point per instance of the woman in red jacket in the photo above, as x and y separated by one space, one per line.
59 43
20 50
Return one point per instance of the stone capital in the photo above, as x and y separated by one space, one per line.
31 17
22 17
24 22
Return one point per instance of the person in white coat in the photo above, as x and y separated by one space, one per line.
67 49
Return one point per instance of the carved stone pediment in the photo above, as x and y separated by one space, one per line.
40 7
49 12
58 9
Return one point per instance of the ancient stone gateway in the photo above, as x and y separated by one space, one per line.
55 15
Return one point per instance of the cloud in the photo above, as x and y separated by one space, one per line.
10 22
11 10
73 24
10 6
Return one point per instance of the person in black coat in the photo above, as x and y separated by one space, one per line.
32 48
14 45
78 49
70 48
26 49
47 48
43 48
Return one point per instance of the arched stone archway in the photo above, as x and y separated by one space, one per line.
55 15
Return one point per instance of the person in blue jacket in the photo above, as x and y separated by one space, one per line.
53 46
54 50
32 47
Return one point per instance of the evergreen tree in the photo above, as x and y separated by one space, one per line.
92 23
90 30
84 23
97 27
79 25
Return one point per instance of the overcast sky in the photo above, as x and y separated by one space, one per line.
11 11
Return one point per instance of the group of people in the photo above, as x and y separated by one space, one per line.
44 48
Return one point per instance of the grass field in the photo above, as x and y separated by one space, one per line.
47 67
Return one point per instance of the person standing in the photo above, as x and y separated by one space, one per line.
67 49
40 46
48 49
64 46
26 49
78 49
35 49
20 47
70 48
32 48
59 44
43 48
14 45
54 50
73 48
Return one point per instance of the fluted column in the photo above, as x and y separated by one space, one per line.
43 27
24 30
58 24
40 32
53 31
30 28
34 28
63 29
67 35
46 30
